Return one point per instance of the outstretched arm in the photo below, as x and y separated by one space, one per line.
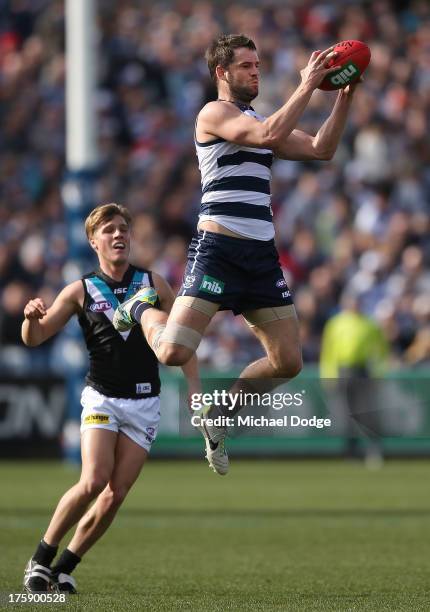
224 120
41 323
300 146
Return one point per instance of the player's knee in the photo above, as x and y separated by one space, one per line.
294 367
174 354
93 486
288 366
114 496
177 345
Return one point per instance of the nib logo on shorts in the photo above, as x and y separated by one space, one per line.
212 285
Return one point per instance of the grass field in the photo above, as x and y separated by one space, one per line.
273 535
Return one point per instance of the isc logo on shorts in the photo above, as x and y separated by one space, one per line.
99 419
211 285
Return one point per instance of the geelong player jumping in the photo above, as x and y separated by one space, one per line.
121 406
233 263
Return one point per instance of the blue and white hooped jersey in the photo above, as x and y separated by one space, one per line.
236 185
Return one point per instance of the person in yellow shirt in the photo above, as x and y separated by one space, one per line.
353 353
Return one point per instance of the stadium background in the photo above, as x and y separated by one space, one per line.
360 221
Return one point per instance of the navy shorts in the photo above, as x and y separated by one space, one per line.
239 274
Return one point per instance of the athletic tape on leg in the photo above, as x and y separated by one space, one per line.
179 334
260 316
156 336
204 306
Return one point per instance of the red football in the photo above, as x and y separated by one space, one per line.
353 57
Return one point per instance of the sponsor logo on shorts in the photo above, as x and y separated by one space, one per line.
100 306
143 387
96 419
286 294
212 285
281 283
189 281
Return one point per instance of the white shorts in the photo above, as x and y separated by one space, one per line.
136 418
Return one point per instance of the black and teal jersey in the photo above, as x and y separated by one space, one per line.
122 364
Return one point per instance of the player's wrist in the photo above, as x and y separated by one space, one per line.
306 87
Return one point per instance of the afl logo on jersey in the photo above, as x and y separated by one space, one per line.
100 306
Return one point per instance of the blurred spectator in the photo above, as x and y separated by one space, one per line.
419 351
14 297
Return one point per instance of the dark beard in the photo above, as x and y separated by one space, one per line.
241 93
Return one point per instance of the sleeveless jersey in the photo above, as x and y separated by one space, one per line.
236 185
122 364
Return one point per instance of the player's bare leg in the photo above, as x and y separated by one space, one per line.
175 339
281 341
129 460
98 455
185 324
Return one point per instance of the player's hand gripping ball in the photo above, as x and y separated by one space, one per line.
353 57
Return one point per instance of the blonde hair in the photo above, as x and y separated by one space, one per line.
103 213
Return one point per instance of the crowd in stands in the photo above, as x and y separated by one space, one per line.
358 222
